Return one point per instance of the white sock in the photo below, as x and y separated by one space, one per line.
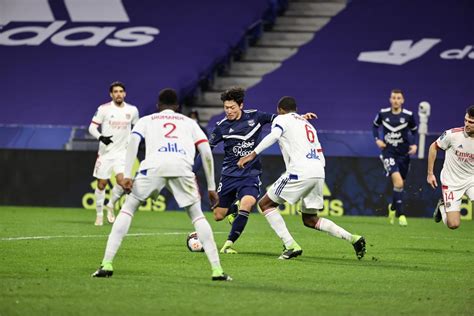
442 209
119 230
117 192
99 201
277 223
204 232
120 227
326 225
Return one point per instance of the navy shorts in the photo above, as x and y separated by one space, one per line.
395 163
234 188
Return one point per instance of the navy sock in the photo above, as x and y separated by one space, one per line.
397 203
233 209
238 225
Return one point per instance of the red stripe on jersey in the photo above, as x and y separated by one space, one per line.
200 141
95 123
320 150
444 187
457 129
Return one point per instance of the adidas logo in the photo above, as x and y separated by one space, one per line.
460 146
230 130
79 11
401 52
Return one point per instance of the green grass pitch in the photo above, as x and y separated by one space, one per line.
418 270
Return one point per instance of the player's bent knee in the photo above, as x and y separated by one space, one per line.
309 220
453 224
131 204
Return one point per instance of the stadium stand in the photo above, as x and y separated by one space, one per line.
346 72
58 57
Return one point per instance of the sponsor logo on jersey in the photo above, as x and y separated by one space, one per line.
393 138
244 148
37 13
171 148
312 154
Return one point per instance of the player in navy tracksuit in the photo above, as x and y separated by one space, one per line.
398 143
240 131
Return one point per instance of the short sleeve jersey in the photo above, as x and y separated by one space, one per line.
240 138
396 129
300 146
458 167
117 122
170 141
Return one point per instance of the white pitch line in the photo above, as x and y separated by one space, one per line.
90 236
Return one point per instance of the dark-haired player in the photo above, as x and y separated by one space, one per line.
303 179
240 131
457 175
115 119
171 140
398 143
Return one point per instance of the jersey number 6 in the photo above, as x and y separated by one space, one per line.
309 133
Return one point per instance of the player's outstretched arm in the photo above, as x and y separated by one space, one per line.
309 116
208 166
432 152
266 142
130 156
244 160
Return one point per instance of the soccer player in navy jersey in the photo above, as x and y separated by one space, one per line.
398 143
240 131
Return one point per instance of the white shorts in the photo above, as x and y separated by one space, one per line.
105 166
288 188
185 190
453 197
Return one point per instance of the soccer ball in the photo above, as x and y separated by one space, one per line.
193 243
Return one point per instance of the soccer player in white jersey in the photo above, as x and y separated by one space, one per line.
171 140
457 175
303 180
115 119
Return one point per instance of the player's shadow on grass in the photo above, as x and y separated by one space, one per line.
371 223
88 222
372 262
434 250
245 284
261 254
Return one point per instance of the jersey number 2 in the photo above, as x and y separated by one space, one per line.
173 127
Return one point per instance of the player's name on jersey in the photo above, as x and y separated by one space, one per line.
167 117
